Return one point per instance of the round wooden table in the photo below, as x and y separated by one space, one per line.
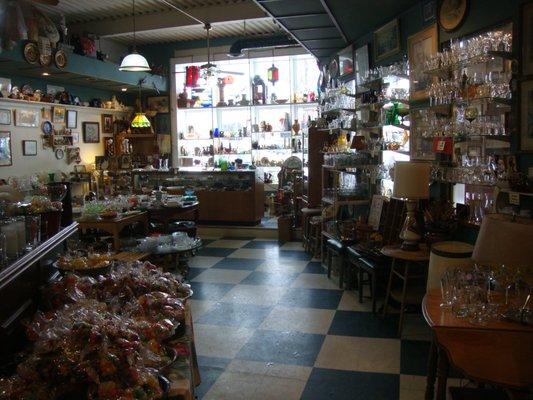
415 294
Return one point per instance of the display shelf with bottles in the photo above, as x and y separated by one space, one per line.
244 114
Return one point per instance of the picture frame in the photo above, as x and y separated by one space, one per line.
346 64
91 132
420 47
527 39
452 14
161 104
362 63
526 116
5 116
162 123
75 138
29 147
5 86
72 119
6 155
58 114
107 123
27 118
429 10
387 40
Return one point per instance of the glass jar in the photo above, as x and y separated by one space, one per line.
9 229
33 231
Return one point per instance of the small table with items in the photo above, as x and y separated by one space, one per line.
179 254
498 352
115 225
407 295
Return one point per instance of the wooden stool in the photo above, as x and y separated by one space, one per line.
307 213
415 294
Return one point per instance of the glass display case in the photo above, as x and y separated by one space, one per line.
254 111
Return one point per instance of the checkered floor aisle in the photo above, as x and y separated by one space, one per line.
269 324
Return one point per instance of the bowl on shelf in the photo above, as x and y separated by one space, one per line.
281 101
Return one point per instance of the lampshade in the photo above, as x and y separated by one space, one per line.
140 121
134 62
503 241
411 180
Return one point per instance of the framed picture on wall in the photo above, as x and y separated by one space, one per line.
29 147
526 116
72 119
27 118
362 63
159 104
58 115
91 132
421 46
387 40
346 63
6 156
527 39
5 116
107 123
75 137
162 123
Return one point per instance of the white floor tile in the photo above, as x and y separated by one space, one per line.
204 261
305 320
254 294
220 341
215 275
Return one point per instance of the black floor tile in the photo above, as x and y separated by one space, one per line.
214 252
266 278
194 272
238 263
210 369
237 238
312 298
210 291
235 314
347 385
261 244
356 323
213 362
314 267
293 348
414 357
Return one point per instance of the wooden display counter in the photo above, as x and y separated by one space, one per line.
225 197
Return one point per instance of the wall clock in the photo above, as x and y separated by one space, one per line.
452 14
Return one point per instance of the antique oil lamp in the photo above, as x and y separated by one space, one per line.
273 74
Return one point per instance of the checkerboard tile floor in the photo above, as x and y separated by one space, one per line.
269 324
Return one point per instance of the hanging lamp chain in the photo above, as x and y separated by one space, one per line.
134 38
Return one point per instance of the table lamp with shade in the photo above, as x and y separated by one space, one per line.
411 182
504 240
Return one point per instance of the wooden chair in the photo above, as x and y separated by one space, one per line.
307 214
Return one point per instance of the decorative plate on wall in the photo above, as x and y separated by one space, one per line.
31 53
60 154
47 127
452 14
60 59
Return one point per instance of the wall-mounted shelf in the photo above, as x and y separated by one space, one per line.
12 102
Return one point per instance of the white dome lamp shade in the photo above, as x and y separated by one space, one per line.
134 62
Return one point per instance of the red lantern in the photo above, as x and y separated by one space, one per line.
192 74
273 74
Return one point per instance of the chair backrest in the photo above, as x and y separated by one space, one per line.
393 215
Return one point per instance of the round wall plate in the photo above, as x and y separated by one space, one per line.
47 127
60 59
31 53
59 154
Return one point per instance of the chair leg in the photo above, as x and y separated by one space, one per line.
342 271
329 261
318 247
373 290
389 286
360 285
404 291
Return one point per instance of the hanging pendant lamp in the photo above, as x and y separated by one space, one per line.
140 120
134 62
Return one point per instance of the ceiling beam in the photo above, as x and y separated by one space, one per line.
169 19
301 15
332 17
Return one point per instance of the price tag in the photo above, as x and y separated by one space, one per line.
514 198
